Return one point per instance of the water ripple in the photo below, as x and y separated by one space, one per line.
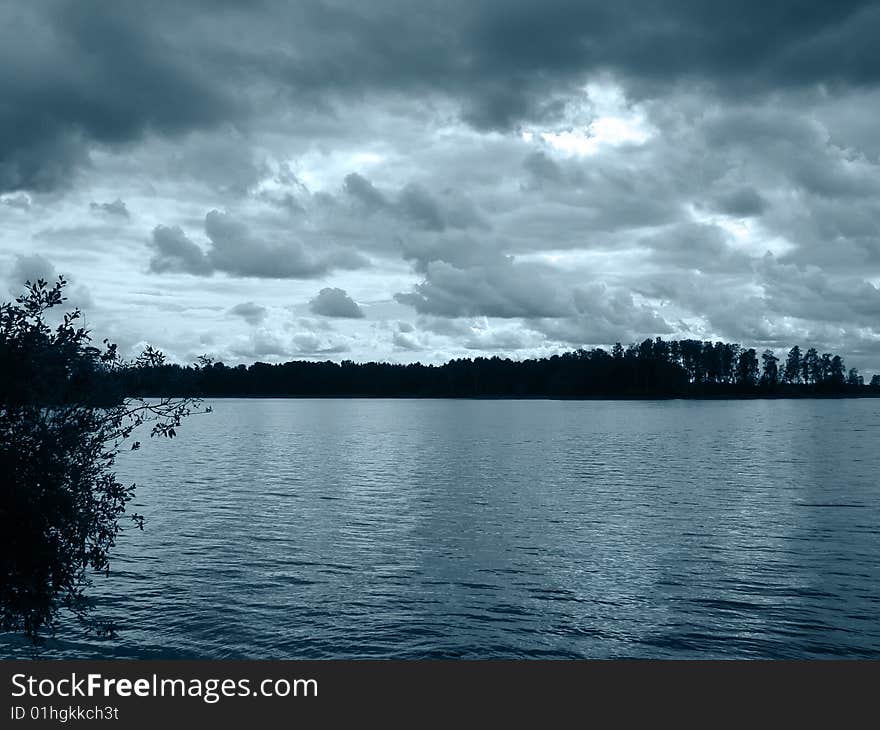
490 529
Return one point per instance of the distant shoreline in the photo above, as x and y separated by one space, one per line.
752 396
651 370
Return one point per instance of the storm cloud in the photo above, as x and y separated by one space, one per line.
251 313
235 250
108 73
117 208
481 175
333 302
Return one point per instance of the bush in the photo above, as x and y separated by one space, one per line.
63 419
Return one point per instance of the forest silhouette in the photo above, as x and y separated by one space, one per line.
650 369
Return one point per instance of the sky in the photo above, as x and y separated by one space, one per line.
410 180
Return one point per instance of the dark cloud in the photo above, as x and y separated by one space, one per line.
31 268
741 203
443 326
503 289
811 294
363 190
505 61
841 236
333 302
602 310
116 208
543 168
175 252
78 73
793 148
694 245
223 160
742 48
459 251
415 205
235 250
251 313
608 192
419 206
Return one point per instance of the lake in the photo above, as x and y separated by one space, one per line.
368 528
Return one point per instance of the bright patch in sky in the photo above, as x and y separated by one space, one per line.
611 131
613 122
746 235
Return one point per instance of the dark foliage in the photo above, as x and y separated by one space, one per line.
651 369
63 418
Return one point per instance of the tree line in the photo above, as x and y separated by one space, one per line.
652 368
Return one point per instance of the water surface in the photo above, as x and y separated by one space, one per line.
485 529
